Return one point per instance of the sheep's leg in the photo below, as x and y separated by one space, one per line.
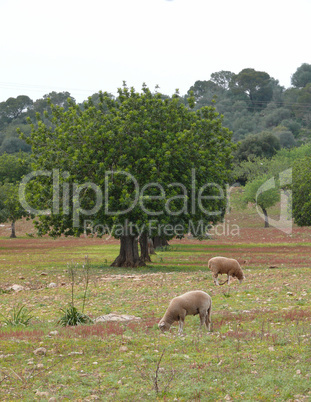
181 326
229 277
215 276
208 320
181 321
203 316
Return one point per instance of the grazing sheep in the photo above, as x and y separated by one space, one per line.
190 303
223 265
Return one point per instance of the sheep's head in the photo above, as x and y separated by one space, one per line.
241 280
164 326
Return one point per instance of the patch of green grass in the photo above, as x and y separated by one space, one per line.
259 349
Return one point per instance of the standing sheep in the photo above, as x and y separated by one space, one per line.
190 303
223 265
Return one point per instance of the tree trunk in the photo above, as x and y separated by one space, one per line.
159 242
128 256
266 217
150 246
13 235
144 252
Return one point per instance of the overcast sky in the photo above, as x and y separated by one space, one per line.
86 46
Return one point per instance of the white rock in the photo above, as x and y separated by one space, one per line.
17 288
43 394
117 317
40 352
52 285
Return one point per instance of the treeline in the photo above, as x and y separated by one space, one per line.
263 116
252 103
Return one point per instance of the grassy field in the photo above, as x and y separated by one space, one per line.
259 350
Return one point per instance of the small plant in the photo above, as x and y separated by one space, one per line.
73 317
154 377
5 291
19 315
227 293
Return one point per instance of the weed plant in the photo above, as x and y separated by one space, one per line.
19 315
71 316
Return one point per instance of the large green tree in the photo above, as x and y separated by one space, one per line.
222 78
205 92
257 85
137 165
14 107
56 98
302 76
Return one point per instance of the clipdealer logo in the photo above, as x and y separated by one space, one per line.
71 202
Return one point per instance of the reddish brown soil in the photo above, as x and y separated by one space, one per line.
253 246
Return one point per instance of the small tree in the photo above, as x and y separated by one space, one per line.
261 192
10 208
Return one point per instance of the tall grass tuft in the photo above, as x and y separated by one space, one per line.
19 315
71 316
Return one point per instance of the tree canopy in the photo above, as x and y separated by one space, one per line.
257 85
302 76
264 144
136 162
